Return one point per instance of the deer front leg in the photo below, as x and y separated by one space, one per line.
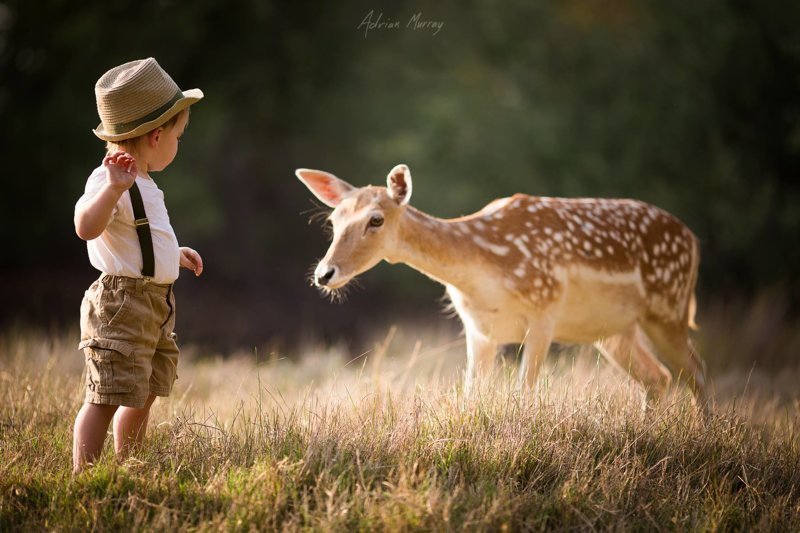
537 342
481 351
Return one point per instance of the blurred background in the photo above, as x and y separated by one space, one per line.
693 106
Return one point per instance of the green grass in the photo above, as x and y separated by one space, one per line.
386 441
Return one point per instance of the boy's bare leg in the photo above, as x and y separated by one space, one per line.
130 426
89 434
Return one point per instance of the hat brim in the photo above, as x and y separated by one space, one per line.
190 97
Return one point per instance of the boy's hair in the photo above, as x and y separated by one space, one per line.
131 145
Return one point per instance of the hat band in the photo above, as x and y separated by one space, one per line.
125 127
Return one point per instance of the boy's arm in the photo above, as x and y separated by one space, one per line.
91 217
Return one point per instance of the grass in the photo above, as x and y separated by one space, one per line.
384 440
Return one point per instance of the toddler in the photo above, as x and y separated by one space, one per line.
128 314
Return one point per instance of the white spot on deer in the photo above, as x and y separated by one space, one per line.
656 250
587 245
494 248
558 236
598 252
610 249
542 247
674 288
519 271
480 226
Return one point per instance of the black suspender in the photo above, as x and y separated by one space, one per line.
143 231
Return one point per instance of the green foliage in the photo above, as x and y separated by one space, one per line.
692 106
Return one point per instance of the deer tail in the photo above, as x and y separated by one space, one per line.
692 308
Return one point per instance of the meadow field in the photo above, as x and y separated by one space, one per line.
327 438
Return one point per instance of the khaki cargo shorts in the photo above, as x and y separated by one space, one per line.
128 340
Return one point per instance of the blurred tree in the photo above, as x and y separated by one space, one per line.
692 106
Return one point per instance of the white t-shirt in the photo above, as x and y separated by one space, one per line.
116 251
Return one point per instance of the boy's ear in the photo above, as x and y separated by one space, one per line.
325 186
154 136
399 183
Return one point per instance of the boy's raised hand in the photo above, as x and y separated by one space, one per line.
121 169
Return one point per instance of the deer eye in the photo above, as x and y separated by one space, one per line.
376 221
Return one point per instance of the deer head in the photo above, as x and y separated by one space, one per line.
364 220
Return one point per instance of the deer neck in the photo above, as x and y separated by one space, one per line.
434 247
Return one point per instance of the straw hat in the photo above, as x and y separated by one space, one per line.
137 97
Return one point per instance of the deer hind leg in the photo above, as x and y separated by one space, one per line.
481 352
629 352
671 341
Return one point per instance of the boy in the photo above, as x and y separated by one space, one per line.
128 314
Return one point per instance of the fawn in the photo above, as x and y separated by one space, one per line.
533 270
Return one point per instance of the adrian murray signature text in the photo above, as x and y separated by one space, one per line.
373 21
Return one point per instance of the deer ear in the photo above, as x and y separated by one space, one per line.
399 183
327 187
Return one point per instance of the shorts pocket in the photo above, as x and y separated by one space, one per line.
114 305
109 365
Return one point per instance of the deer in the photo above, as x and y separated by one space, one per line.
531 270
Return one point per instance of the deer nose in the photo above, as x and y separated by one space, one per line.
322 278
